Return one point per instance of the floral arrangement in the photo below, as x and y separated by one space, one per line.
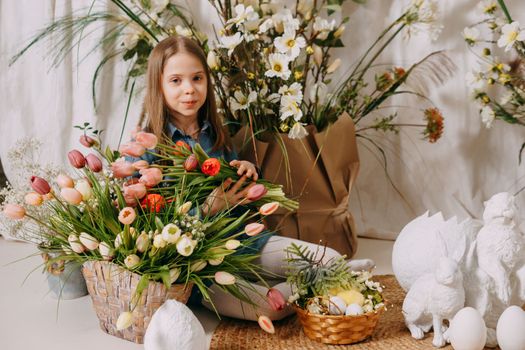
499 83
102 212
271 60
330 288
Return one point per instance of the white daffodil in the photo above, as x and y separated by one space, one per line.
290 108
265 26
295 91
230 42
278 66
471 35
323 27
510 34
241 101
298 131
488 7
487 116
285 18
289 44
243 14
183 31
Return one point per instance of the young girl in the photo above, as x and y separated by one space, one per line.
180 104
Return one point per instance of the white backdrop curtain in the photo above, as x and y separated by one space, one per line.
454 176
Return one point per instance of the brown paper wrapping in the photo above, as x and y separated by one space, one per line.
322 187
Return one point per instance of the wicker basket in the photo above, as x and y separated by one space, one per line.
111 288
330 329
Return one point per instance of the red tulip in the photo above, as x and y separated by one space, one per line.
180 147
151 176
146 139
155 202
76 159
275 299
14 211
87 141
211 166
191 163
94 163
40 185
132 149
122 169
256 192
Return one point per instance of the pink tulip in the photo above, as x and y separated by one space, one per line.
64 181
135 191
275 299
141 164
14 211
71 195
146 139
256 192
76 159
132 149
87 141
127 215
253 229
33 198
94 163
269 208
191 163
122 169
151 176
40 185
266 324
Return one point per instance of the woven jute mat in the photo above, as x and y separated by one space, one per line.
390 334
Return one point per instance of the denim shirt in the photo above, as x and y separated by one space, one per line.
206 139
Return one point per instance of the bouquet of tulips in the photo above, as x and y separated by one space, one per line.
150 225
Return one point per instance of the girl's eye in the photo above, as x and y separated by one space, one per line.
197 78
175 80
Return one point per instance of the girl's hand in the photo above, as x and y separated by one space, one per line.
246 168
226 196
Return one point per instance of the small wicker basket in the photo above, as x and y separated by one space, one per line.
111 288
331 329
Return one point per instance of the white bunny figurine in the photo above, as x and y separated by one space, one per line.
174 326
432 298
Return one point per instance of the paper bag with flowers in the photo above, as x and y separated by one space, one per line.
143 240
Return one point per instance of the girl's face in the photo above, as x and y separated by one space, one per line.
184 85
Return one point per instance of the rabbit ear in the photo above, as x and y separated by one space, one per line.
442 244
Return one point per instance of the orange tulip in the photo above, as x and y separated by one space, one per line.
71 195
14 211
64 181
33 198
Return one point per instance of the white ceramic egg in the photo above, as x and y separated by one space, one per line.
511 329
337 306
467 330
354 310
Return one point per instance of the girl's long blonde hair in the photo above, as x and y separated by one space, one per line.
155 113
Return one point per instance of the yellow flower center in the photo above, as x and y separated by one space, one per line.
512 36
277 67
290 43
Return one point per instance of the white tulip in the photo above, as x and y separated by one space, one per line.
85 189
232 244
131 261
105 250
174 274
171 233
124 320
185 246
224 278
198 265
88 241
75 244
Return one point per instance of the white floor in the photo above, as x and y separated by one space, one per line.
31 319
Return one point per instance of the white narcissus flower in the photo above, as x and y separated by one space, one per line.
285 18
265 26
290 108
245 15
297 131
212 60
185 246
230 42
471 35
295 90
289 44
278 66
487 116
171 233
240 101
323 27
488 6
510 34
